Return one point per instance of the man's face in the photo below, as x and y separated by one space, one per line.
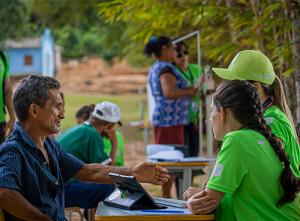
50 116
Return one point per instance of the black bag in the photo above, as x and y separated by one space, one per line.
3 82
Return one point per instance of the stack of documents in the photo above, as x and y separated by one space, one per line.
169 154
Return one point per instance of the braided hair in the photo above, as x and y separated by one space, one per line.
241 98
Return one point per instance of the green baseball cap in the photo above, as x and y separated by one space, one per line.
248 65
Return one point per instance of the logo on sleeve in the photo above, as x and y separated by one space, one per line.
269 120
217 170
261 142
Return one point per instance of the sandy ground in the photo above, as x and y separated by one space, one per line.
95 76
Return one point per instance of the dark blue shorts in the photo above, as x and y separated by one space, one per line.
86 195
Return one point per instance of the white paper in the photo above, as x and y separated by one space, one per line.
106 161
154 148
168 155
196 159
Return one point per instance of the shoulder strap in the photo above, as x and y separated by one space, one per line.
3 80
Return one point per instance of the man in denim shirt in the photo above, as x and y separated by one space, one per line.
34 168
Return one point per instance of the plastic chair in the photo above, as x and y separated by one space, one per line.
70 210
1 215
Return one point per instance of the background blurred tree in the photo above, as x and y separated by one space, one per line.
13 19
226 27
75 25
79 29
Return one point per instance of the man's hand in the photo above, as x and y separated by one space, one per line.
112 163
110 134
190 192
201 203
9 125
148 172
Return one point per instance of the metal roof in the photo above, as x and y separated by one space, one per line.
27 43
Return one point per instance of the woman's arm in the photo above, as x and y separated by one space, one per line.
168 85
205 202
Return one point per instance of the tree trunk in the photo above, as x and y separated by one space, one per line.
295 19
289 83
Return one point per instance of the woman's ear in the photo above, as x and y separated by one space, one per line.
222 114
163 48
257 85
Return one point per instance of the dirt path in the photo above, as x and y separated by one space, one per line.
95 76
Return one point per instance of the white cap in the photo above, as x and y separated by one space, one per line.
107 111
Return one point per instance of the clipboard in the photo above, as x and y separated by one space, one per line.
130 195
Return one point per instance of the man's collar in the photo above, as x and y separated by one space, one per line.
24 136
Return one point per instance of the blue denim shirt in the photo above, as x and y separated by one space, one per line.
24 168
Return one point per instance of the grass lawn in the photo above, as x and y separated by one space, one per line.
129 105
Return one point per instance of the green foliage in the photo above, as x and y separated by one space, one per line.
13 19
224 30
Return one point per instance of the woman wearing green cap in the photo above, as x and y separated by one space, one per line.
256 68
252 165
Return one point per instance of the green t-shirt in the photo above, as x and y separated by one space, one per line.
282 128
3 72
83 142
193 70
107 149
248 168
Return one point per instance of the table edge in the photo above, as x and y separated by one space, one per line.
205 163
162 217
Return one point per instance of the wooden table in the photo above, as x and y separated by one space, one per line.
186 168
114 214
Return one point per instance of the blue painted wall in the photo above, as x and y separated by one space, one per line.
42 58
17 62
47 53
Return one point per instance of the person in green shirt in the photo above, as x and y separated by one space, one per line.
5 98
252 165
83 115
85 142
190 73
119 153
257 69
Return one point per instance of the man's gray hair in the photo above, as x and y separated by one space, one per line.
32 90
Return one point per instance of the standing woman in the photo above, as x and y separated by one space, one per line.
256 68
172 97
190 73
